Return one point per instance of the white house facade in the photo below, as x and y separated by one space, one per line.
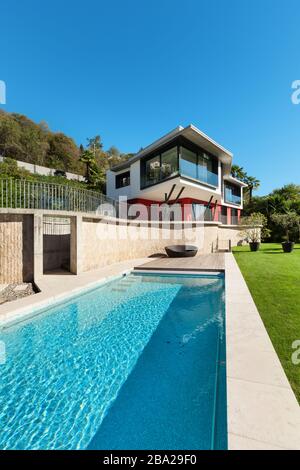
185 167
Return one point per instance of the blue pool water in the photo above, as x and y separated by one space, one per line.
138 363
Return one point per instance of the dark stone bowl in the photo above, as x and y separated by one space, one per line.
181 251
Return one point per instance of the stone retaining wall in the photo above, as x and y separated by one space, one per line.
16 248
93 242
133 241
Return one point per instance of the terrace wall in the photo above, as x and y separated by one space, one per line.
91 241
97 249
16 248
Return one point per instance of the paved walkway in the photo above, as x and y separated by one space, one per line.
263 412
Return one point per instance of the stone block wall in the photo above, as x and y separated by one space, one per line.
91 243
16 248
102 244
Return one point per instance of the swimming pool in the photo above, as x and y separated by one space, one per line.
137 363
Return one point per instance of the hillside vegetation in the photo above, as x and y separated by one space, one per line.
22 139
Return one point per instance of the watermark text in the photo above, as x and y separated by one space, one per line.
2 92
295 97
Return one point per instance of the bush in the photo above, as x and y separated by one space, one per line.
255 227
288 223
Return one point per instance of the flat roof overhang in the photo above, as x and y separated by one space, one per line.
235 181
191 133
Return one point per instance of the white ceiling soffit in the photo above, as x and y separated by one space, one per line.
231 179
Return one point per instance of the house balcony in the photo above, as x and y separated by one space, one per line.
180 162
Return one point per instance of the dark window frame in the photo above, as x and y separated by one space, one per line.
119 182
177 142
158 153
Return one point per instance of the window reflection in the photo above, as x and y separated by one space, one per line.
232 193
188 163
153 170
201 212
169 163
196 165
160 167
199 166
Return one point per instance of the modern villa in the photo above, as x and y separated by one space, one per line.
184 166
110 340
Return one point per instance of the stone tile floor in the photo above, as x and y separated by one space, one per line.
10 292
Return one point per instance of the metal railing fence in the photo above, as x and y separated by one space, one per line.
25 194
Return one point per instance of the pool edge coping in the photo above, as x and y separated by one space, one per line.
23 314
263 412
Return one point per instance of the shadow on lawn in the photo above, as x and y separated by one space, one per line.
271 251
278 250
268 251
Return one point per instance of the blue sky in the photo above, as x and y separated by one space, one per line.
133 70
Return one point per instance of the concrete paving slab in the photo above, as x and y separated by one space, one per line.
263 412
244 443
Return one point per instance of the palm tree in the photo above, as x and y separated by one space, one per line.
238 172
88 158
253 184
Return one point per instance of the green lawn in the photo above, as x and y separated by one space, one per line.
273 278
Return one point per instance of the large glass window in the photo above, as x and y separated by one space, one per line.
232 193
194 163
199 166
223 215
169 163
152 170
160 167
188 163
201 212
234 217
207 169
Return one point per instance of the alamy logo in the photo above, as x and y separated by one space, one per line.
2 353
296 94
296 354
2 92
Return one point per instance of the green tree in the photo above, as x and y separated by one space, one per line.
10 134
63 153
88 158
10 169
255 227
238 172
253 184
287 222
94 175
95 143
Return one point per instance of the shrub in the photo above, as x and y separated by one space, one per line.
287 222
255 227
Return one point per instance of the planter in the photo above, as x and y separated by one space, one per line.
288 246
254 246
